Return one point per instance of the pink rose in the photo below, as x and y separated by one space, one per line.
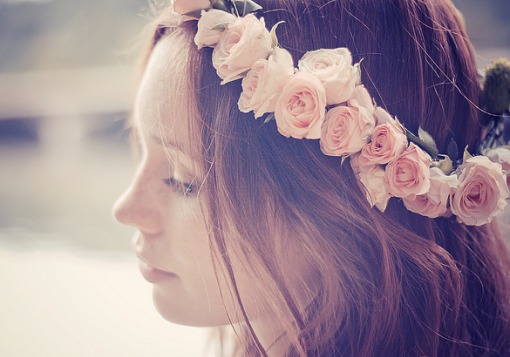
245 41
501 155
187 6
482 192
387 141
361 98
264 82
371 180
434 203
335 70
211 25
384 117
409 174
301 107
346 129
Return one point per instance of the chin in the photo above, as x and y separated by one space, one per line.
183 311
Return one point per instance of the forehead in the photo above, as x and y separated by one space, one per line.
164 105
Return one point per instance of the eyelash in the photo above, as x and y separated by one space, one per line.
182 188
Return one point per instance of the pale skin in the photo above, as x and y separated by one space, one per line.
164 204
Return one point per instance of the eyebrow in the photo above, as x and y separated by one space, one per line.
172 145
157 139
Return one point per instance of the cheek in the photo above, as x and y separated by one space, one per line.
186 235
200 297
194 297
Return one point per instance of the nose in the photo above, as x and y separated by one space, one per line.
135 208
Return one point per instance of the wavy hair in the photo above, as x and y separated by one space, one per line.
389 284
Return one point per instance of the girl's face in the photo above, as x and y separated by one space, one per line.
166 206
164 203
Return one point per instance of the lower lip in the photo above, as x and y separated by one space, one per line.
153 275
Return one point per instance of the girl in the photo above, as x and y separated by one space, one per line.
365 242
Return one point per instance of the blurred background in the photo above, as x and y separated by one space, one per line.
69 284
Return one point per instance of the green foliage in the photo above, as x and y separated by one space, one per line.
453 150
424 141
496 86
236 7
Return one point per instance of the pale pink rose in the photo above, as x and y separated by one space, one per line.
346 129
434 203
211 25
186 6
387 141
245 41
371 179
301 107
361 98
409 175
264 82
501 155
383 117
354 161
335 70
482 192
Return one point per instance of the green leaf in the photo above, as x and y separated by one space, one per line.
453 150
445 164
428 140
411 136
269 118
430 149
221 5
245 7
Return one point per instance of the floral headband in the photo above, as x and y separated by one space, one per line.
323 99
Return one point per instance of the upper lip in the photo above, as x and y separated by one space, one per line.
140 241
146 261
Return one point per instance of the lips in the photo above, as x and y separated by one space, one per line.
152 274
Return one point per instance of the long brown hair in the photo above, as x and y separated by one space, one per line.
390 284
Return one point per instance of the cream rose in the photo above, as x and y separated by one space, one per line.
264 82
482 192
245 41
346 129
383 117
301 107
388 140
208 33
409 174
501 155
434 203
371 179
335 70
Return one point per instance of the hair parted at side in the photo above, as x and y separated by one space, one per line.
392 284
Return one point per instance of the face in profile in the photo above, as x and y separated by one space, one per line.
166 204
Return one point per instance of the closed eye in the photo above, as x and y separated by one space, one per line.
181 188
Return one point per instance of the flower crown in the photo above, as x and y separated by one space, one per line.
323 99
